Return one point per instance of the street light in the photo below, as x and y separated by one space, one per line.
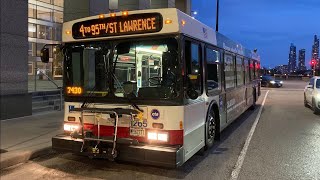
194 13
217 17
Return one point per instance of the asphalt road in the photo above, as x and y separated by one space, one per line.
284 145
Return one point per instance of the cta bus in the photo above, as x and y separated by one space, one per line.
150 86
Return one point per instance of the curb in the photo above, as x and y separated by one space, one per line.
13 158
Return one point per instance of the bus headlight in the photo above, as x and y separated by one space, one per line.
163 137
158 136
152 136
70 127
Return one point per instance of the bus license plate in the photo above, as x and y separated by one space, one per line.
137 132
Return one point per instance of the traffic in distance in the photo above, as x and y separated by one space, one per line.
269 81
155 95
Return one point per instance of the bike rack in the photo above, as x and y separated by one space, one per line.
116 112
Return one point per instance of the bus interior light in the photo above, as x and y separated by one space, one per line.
168 21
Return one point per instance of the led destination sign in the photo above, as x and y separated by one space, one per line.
119 25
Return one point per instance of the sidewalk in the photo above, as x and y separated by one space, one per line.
28 137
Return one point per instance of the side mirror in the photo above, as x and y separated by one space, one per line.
44 55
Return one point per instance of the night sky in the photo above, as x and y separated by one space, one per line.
268 25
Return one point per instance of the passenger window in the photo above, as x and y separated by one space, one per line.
251 66
229 71
193 66
213 70
247 70
240 71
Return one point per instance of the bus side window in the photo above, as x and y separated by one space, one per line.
229 71
213 70
193 66
240 71
251 66
247 70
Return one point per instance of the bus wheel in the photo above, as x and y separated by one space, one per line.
210 129
253 106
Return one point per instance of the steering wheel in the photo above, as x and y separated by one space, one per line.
156 80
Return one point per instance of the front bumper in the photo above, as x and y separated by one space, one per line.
275 85
142 153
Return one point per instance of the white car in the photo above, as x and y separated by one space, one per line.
312 94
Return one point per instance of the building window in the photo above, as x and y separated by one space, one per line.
57 33
44 13
32 11
39 47
32 30
58 3
58 17
46 1
44 32
32 49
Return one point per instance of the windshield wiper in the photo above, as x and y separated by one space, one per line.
88 96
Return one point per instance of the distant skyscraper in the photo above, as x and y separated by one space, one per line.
315 50
292 64
302 60
282 69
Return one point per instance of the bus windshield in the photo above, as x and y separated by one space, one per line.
127 69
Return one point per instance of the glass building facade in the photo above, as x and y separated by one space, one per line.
45 18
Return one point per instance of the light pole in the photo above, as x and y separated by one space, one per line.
217 17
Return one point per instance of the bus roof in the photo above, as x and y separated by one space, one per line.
149 22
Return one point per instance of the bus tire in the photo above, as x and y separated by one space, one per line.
210 129
253 106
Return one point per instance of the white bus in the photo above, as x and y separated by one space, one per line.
150 86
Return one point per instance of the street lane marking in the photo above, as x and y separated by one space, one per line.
236 171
